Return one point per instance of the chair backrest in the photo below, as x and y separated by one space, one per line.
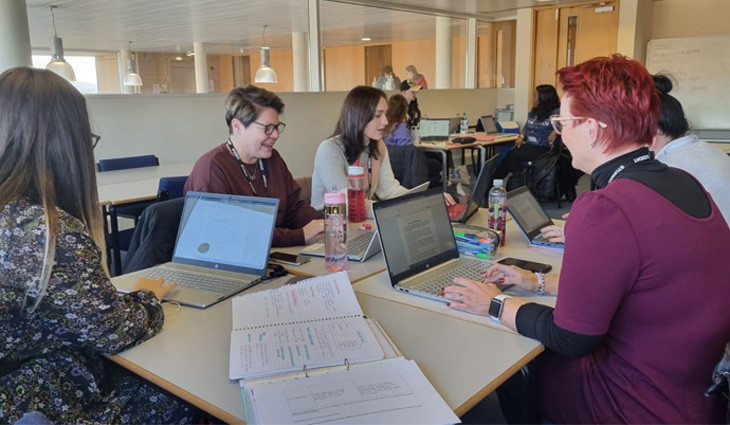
306 184
112 164
171 187
154 237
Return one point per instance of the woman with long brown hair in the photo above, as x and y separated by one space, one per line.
60 311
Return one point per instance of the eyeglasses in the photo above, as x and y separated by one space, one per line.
269 128
94 140
557 122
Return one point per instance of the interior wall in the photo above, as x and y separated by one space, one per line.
180 128
682 18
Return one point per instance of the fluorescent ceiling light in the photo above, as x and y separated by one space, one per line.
366 39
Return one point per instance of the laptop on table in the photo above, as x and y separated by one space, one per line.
222 248
530 217
489 126
419 247
363 245
435 129
461 212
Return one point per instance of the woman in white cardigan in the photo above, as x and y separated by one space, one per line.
358 138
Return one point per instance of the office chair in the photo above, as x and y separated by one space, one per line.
171 188
153 241
125 163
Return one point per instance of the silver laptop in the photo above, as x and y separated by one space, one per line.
435 129
460 213
487 123
222 248
419 247
363 244
530 217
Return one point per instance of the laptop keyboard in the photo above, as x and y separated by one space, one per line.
198 281
456 210
358 244
470 269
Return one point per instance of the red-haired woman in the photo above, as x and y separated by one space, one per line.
642 314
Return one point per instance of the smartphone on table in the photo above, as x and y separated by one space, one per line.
527 265
290 259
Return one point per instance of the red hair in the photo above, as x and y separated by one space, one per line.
617 91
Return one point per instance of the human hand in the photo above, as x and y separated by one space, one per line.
449 199
553 233
156 285
519 141
469 295
312 229
511 275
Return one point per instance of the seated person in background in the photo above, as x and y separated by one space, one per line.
415 78
637 327
674 147
398 133
537 136
60 311
358 138
388 81
247 164
410 92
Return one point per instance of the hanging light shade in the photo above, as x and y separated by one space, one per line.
131 78
58 64
265 73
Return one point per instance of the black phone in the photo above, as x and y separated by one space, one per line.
284 258
527 265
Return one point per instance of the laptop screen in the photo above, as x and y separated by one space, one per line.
527 212
435 127
489 125
226 232
415 233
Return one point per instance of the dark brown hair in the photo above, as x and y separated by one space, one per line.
397 111
358 110
46 154
245 103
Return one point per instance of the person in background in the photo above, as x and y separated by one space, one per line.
641 315
247 164
410 91
414 77
674 147
398 133
388 81
357 139
537 136
60 312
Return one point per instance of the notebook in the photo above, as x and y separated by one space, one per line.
488 125
421 255
530 217
461 212
363 244
222 248
435 129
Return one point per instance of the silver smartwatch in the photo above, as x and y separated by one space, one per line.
497 306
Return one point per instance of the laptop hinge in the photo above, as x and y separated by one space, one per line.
430 270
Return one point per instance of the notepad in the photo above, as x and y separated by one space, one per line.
315 323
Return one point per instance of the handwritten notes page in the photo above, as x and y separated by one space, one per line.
392 391
317 323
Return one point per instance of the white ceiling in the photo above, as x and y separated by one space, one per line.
233 26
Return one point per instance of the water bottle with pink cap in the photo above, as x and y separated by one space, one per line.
335 232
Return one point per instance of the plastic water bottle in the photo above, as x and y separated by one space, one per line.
375 83
464 124
335 232
498 210
356 194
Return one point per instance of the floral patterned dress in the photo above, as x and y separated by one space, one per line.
51 353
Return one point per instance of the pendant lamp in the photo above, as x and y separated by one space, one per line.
57 63
265 73
131 78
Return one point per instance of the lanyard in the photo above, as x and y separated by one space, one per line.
249 178
636 160
370 172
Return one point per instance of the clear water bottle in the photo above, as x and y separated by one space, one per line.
375 83
498 210
464 124
356 194
335 232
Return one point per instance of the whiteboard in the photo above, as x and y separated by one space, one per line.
701 68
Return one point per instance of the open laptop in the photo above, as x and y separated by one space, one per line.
363 245
530 217
461 212
488 125
419 247
222 248
454 124
435 129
